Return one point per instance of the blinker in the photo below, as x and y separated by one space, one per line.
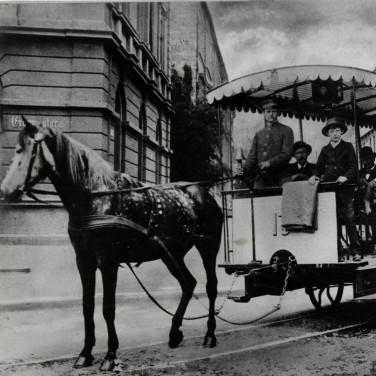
39 137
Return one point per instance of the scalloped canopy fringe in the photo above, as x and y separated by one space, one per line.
293 88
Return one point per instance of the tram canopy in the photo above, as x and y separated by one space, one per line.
307 91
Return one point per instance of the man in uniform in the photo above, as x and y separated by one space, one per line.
271 150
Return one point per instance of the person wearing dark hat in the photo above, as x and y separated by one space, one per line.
367 159
367 190
337 162
301 169
271 150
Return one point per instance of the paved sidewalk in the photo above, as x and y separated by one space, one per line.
37 275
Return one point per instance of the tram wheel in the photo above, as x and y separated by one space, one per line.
315 295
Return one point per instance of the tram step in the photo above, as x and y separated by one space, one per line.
240 299
365 282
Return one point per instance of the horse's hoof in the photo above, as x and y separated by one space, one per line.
108 365
176 339
210 342
83 361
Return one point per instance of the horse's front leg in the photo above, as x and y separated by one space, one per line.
187 282
109 277
87 274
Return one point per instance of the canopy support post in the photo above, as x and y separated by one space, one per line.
301 128
220 144
357 131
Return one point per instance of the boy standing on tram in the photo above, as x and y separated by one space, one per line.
337 163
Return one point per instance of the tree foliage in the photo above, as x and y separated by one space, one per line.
195 133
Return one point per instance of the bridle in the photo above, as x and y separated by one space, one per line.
37 144
27 189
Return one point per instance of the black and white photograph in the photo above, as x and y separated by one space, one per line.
188 188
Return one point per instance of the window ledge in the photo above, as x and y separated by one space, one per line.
150 140
129 125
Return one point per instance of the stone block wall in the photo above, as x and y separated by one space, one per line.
84 69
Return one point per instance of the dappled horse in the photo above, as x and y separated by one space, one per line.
113 219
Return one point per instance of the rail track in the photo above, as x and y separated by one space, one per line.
156 356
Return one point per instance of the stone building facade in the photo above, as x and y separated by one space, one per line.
194 43
368 138
98 71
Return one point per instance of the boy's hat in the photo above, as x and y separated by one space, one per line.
365 152
302 144
269 103
334 123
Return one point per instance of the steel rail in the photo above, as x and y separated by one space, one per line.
171 364
144 345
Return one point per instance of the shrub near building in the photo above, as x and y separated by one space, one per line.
196 133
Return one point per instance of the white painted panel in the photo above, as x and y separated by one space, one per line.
318 247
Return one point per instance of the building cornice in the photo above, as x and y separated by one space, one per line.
214 36
110 38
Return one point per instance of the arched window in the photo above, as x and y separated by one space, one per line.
117 133
142 119
2 168
1 107
142 123
158 134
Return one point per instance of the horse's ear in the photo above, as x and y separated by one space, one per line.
30 129
50 137
50 132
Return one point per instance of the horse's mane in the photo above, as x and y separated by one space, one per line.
83 162
86 168
83 166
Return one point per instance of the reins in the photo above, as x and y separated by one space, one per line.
173 185
31 191
277 307
151 297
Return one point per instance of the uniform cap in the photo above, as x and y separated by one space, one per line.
269 103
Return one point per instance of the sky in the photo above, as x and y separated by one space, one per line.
257 35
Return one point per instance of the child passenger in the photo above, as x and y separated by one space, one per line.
337 163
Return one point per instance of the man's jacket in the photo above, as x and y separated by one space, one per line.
335 162
274 145
308 170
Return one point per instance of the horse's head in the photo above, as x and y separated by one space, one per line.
31 162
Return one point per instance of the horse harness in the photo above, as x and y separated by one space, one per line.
96 221
155 220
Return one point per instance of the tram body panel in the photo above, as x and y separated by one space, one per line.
318 247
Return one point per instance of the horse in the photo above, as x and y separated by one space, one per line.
114 219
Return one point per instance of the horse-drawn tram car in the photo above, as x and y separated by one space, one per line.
279 238
286 238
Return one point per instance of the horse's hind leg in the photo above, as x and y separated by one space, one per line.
187 282
209 261
109 278
87 274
